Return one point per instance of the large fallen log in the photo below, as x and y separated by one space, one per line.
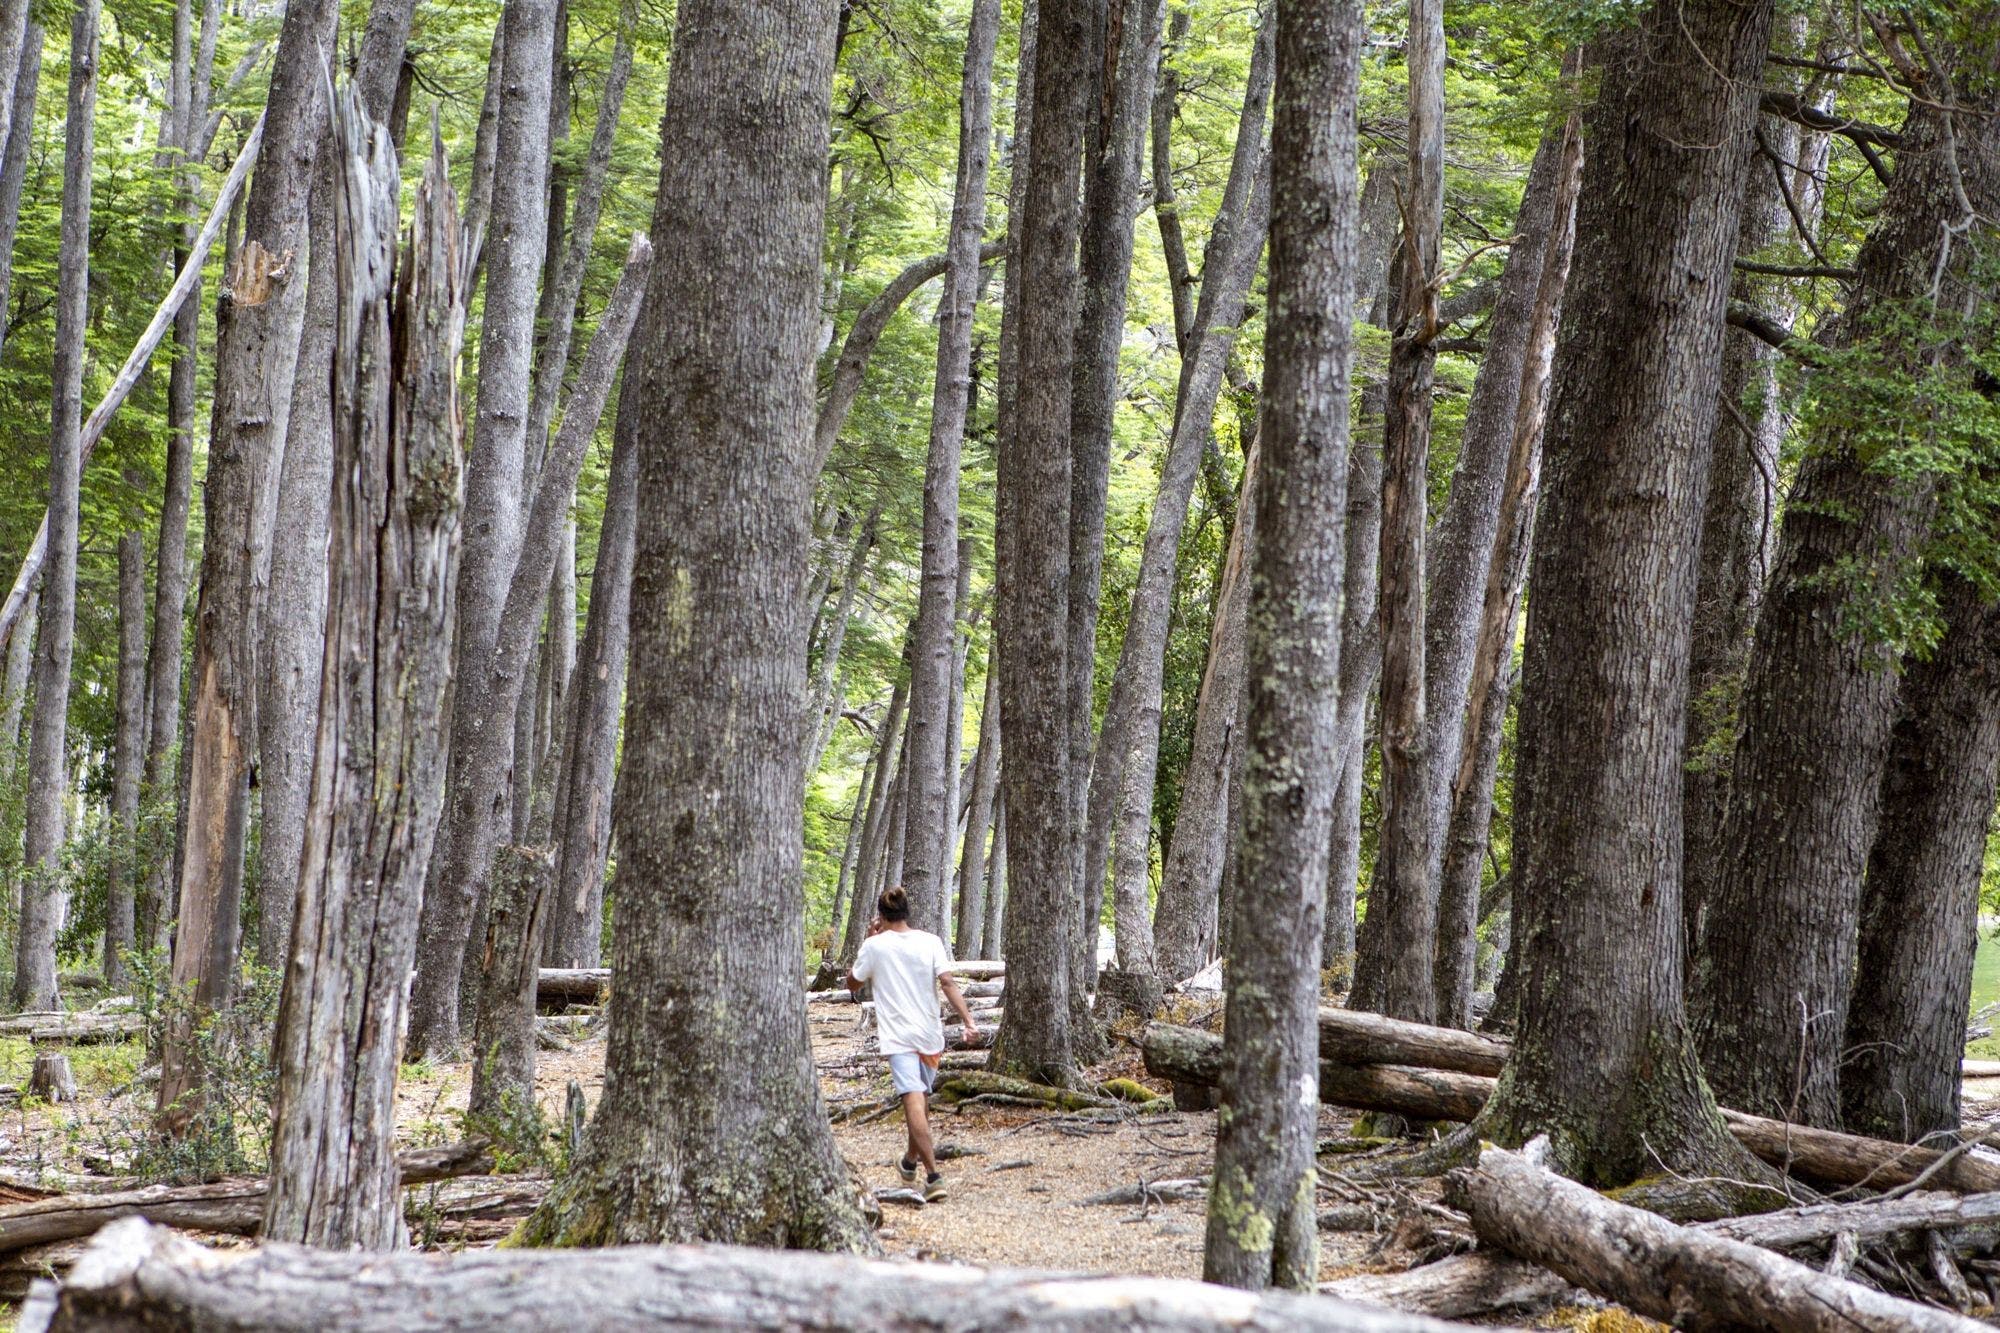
1691 1279
1355 1037
1868 1220
56 1025
138 1275
1193 1057
1460 1286
577 984
234 1207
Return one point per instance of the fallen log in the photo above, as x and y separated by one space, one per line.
1868 1220
1691 1279
557 984
1191 1057
1355 1037
92 1031
1459 1287
1148 1192
976 1083
139 1275
234 1207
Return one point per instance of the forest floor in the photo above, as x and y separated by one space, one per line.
1019 1176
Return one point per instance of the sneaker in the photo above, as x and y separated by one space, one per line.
935 1190
908 1170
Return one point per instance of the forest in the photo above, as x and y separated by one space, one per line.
521 522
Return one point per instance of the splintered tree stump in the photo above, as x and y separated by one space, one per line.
52 1080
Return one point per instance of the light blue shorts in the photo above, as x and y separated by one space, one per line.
911 1074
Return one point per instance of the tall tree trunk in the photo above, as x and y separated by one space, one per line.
1602 1063
969 936
1126 46
898 826
257 342
1920 911
996 888
170 567
824 697
850 860
378 766
14 686
1398 939
296 596
1819 695
128 761
1361 630
19 143
584 786
1166 204
1472 640
711 1125
932 699
1261 1212
1186 919
495 673
43 898
1034 537
479 785
16 27
875 834
1126 764
1739 520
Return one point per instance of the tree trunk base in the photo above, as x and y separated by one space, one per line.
52 1079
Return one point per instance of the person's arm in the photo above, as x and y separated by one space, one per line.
863 969
951 993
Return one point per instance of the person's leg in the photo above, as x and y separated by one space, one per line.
917 1116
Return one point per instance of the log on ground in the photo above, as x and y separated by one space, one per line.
1689 1278
140 1275
235 1207
1189 1056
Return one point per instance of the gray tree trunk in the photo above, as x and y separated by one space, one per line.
825 694
14 687
1476 592
1360 631
295 615
378 769
19 143
1128 750
479 791
1186 919
1166 203
170 567
16 26
711 1125
584 785
1398 939
970 932
927 749
875 833
1262 1228
257 342
996 888
1920 912
510 951
128 761
1771 983
43 899
1602 1063
1739 519
1127 49
1034 539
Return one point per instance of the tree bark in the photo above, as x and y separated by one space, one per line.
1920 907
1262 1218
1691 1279
1602 1062
378 763
297 591
825 694
1472 647
969 936
128 761
1397 943
875 835
43 896
1185 920
1166 203
479 785
1126 45
1126 764
14 690
933 701
711 1125
1033 535
1739 518
996 888
257 340
585 784
1771 982
503 1045
176 1285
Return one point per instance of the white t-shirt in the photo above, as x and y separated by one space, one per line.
905 966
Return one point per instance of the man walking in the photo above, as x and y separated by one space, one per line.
907 967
